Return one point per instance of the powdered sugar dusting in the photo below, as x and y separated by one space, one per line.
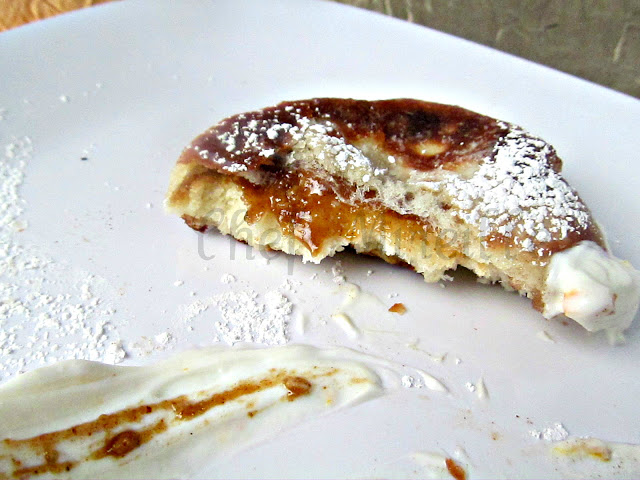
239 141
227 278
12 175
554 433
245 316
44 322
516 193
48 310
317 139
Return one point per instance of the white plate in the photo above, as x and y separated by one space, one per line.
140 79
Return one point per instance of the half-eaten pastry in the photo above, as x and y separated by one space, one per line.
424 184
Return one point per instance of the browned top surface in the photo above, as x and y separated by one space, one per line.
399 127
516 190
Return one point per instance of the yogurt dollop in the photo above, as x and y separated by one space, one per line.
592 287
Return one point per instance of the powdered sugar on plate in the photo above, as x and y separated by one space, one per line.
554 433
49 311
12 175
227 278
245 316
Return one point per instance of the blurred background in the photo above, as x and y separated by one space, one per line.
598 40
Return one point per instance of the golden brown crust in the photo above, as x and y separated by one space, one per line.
424 136
327 169
401 127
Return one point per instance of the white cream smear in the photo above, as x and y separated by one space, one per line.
592 287
80 419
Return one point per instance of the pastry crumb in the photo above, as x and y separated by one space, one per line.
398 308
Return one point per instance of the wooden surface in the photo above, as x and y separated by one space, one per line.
595 39
14 13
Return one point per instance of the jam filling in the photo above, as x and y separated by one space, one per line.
309 209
